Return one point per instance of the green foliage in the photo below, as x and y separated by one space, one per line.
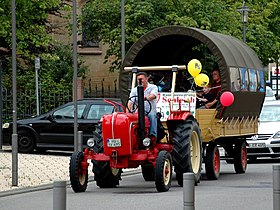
31 18
56 70
33 41
103 21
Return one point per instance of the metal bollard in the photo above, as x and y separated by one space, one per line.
80 141
276 187
188 191
59 195
14 159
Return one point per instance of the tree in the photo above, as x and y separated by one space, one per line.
34 40
103 21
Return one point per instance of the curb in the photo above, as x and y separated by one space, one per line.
50 185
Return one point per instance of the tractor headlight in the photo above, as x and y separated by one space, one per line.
90 142
146 142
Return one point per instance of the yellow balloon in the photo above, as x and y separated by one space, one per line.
194 67
201 80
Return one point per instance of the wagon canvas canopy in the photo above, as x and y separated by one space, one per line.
240 68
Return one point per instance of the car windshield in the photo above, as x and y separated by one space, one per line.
270 113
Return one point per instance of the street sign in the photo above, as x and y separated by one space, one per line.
37 63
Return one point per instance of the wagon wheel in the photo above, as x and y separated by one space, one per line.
78 176
240 157
212 162
135 105
163 172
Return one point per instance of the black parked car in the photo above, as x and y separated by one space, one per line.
55 129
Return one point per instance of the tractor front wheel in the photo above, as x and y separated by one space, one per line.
78 176
163 172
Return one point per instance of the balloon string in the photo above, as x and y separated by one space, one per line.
222 112
192 86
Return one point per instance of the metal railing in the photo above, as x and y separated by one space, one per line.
48 100
26 102
95 91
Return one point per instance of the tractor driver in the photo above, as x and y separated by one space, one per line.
150 94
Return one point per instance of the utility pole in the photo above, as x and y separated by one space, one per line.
37 67
123 29
14 135
75 63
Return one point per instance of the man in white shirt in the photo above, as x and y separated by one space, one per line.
150 94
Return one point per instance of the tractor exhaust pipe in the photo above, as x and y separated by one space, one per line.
141 109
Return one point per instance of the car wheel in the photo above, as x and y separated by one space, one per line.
26 141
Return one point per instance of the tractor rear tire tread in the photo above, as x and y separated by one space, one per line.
182 152
148 171
103 174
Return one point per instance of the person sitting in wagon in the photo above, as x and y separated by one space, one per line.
204 97
215 89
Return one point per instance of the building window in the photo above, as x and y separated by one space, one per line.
87 40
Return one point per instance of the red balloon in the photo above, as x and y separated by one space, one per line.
227 98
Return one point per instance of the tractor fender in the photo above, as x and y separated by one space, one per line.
180 115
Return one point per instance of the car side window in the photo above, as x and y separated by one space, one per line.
96 111
68 112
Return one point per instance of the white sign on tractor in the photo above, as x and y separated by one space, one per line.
186 99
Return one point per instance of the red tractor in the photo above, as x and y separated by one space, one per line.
121 141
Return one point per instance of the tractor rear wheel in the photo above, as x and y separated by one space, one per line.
212 162
78 176
148 171
187 151
240 157
163 172
104 175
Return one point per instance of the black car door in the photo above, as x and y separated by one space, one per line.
61 130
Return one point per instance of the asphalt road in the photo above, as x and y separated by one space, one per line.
252 190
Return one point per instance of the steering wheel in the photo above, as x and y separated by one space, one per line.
135 105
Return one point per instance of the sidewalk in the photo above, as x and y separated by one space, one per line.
36 171
33 169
